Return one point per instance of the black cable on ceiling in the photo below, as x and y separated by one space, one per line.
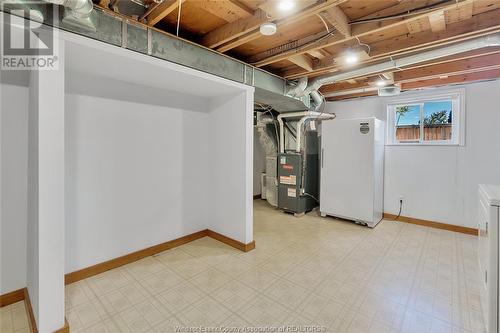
409 12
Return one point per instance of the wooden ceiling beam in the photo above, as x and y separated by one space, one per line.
478 25
358 31
463 66
234 29
162 10
350 96
302 61
229 11
457 79
319 54
338 19
345 85
437 21
303 14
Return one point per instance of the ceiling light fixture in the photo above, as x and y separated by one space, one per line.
380 83
351 58
268 28
286 5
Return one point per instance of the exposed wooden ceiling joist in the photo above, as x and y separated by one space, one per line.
437 21
465 70
294 18
476 26
162 10
359 30
229 10
463 78
302 61
463 66
234 29
338 19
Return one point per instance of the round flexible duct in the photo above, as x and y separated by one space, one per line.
393 64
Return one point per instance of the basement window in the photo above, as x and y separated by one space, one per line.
426 120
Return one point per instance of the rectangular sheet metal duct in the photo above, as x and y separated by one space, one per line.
121 32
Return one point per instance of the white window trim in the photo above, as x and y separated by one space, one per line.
458 108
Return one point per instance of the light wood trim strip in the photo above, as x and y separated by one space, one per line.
134 256
31 315
432 224
231 242
12 297
65 328
29 312
131 257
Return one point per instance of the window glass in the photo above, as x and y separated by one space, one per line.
438 120
407 120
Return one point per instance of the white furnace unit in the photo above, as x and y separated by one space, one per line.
352 170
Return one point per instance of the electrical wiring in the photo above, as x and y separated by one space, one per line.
364 44
415 11
400 209
179 17
324 22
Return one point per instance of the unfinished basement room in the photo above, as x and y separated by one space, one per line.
249 166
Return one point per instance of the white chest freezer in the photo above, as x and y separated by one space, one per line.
352 169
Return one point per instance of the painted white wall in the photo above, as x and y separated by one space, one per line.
13 179
231 177
139 164
134 172
439 183
46 197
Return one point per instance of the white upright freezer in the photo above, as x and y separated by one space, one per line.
352 169
488 254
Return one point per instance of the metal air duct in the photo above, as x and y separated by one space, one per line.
394 64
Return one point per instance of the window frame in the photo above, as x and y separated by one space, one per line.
457 98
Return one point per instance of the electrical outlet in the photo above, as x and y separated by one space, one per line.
401 199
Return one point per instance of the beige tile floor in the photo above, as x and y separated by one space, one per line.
13 319
305 271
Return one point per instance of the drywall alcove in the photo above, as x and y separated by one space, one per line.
153 152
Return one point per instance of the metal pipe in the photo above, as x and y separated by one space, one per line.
301 86
393 64
300 124
77 13
282 132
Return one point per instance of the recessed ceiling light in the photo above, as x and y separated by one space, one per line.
286 5
380 83
268 28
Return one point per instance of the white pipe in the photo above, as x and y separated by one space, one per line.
302 120
351 91
304 115
390 65
80 8
282 127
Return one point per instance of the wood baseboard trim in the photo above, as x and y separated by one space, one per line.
12 297
131 257
231 242
65 328
432 224
134 256
29 312
31 316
